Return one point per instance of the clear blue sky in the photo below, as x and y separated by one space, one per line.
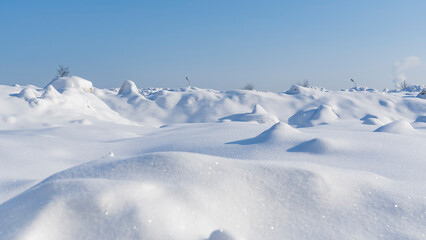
220 44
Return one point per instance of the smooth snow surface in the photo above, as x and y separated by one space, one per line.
203 164
318 145
279 133
64 83
397 127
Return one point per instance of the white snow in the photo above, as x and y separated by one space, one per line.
422 94
65 83
279 133
128 88
319 145
28 94
257 115
203 164
324 114
397 127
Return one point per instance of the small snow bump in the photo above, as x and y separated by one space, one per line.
128 88
319 146
422 94
398 127
64 83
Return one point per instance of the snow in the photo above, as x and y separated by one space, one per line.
65 83
50 93
257 115
400 127
324 114
319 146
279 133
422 94
203 164
128 88
372 121
28 94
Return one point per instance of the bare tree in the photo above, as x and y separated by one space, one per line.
62 71
248 87
304 84
402 85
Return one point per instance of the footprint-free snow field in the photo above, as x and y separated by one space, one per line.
78 162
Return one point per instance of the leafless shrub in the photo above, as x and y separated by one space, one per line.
304 83
403 85
248 87
62 71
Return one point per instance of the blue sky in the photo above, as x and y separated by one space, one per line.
220 44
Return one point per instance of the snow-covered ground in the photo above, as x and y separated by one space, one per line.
78 162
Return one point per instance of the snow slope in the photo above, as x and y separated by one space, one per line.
203 164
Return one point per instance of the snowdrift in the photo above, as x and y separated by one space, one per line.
78 162
279 133
68 83
422 94
400 127
299 106
322 115
319 146
370 119
257 115
191 196
63 101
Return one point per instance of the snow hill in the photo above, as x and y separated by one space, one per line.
78 162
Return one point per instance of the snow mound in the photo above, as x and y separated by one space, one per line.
278 133
369 185
190 105
324 114
400 127
367 116
129 92
257 109
37 107
422 94
64 83
190 196
370 119
306 91
258 114
294 90
50 92
128 88
318 146
28 94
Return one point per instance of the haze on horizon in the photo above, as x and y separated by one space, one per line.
217 44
